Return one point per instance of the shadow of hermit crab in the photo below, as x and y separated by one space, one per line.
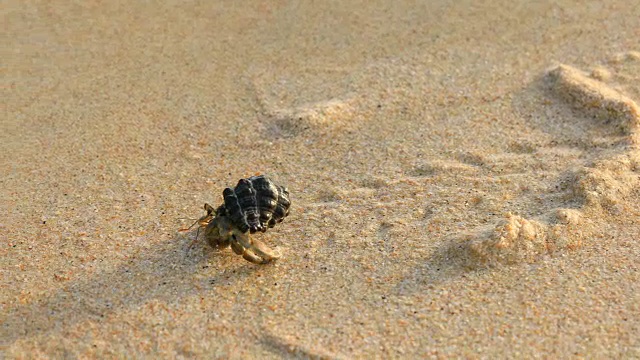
255 204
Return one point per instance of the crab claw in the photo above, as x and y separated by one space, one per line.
252 250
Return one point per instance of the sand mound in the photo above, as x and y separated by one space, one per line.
600 188
302 104
606 185
322 116
516 239
594 97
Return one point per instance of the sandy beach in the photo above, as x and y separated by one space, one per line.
464 179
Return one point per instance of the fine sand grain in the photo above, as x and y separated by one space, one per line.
465 179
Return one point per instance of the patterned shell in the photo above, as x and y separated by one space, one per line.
255 204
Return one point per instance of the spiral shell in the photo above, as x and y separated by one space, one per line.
255 204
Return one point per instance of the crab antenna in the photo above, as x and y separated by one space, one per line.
194 240
192 225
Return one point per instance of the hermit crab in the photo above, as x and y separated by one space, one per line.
255 204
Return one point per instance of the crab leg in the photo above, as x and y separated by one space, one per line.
246 253
249 248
